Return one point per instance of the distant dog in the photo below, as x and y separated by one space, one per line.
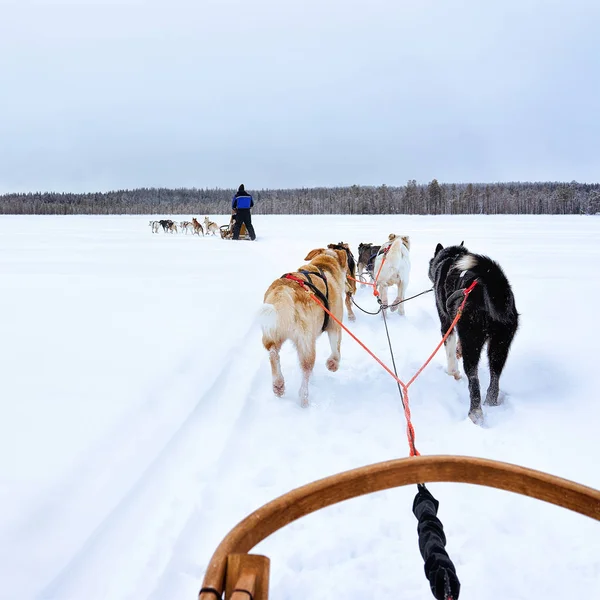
350 278
185 225
366 257
166 224
197 228
289 313
392 267
210 226
155 226
489 315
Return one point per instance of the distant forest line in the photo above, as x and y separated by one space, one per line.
545 198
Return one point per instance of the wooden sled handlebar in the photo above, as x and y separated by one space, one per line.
231 564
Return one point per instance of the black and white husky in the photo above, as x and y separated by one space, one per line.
489 315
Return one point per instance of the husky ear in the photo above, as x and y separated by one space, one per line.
314 253
462 243
438 249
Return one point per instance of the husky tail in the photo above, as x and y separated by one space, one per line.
497 293
267 317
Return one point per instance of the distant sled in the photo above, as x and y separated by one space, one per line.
227 230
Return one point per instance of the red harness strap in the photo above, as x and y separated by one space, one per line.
296 279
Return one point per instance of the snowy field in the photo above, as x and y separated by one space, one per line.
138 423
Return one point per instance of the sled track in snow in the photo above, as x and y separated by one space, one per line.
184 466
199 528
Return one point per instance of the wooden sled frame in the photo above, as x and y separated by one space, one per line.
245 576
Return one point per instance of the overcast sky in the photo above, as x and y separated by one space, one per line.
284 93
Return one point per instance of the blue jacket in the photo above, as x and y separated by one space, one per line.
242 200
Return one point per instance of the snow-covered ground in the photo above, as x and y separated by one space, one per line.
138 423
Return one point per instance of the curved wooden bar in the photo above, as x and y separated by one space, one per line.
385 475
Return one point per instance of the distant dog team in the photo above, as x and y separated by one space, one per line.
193 226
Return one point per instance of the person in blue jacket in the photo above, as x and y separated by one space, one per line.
241 204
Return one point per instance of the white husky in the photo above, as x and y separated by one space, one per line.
395 270
210 226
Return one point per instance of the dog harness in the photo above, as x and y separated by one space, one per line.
351 259
371 261
324 298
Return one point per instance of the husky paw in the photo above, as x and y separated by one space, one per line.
333 364
476 416
455 374
279 388
493 396
351 317
303 396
